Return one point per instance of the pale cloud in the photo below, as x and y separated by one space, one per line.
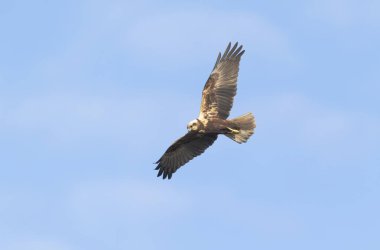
136 202
163 33
312 122
132 200
187 34
160 40
70 117
315 127
345 13
37 244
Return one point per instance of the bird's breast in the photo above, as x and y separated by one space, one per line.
215 126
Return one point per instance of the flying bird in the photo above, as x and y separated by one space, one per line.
217 99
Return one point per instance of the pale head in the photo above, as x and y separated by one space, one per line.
194 125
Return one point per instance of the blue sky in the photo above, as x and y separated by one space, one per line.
93 92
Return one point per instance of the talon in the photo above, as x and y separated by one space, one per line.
233 131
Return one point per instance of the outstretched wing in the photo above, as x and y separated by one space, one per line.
183 150
220 88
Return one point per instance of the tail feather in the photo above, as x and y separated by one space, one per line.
246 125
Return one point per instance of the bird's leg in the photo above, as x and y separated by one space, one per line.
233 131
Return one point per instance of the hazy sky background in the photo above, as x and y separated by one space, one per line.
93 92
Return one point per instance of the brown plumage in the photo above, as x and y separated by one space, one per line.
217 99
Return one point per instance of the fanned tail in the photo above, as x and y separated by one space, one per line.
246 125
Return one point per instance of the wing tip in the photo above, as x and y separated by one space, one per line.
232 53
241 53
166 173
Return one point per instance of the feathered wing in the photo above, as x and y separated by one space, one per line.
220 88
183 150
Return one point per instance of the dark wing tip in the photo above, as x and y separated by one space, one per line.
226 51
165 172
232 50
217 60
160 170
240 54
231 53
236 52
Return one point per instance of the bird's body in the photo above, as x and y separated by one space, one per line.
217 99
214 125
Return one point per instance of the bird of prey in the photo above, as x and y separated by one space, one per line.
217 99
